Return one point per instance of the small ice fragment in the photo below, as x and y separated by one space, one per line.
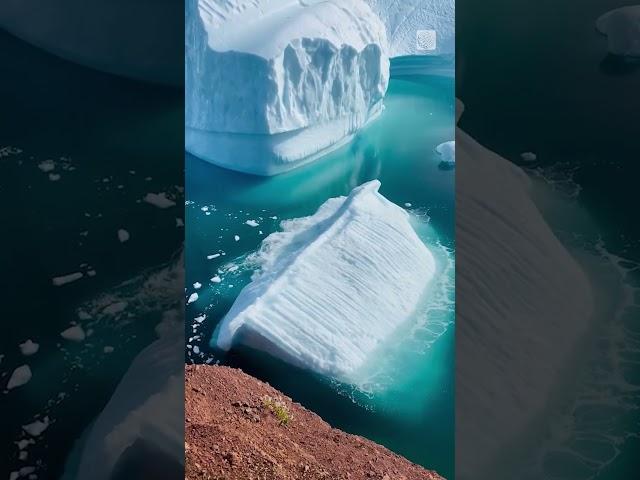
82 315
14 475
29 348
36 428
200 319
19 377
108 349
64 279
91 273
75 334
115 308
179 222
123 235
236 238
204 209
216 279
24 443
159 200
196 349
47 166
233 268
260 232
192 298
54 177
528 156
197 285
22 456
252 223
408 205
211 257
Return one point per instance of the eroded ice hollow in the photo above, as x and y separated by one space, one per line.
332 287
272 84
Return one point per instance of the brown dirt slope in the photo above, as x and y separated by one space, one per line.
233 433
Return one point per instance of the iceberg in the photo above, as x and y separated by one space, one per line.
403 19
447 152
271 85
622 28
332 287
521 288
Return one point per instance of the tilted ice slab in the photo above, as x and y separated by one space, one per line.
269 84
524 305
403 18
622 28
333 286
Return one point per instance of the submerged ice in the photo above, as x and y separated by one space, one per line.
332 287
270 84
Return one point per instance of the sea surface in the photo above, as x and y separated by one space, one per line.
79 152
407 403
548 86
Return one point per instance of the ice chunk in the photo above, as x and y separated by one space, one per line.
36 428
622 28
159 200
192 298
334 286
447 152
403 18
252 223
74 333
123 235
19 377
528 156
307 75
64 279
29 348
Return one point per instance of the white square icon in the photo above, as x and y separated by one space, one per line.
425 40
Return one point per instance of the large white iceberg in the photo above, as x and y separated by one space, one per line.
404 18
622 28
270 84
332 287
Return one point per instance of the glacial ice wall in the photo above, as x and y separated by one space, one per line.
298 77
622 28
403 18
524 307
332 287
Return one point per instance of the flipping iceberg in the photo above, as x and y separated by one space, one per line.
271 84
622 28
332 287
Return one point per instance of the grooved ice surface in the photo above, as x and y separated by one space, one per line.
403 18
622 28
271 83
333 286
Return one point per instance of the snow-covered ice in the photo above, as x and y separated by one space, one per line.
332 287
622 28
19 377
403 18
300 77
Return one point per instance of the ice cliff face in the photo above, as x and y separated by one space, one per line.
403 18
297 76
333 286
622 28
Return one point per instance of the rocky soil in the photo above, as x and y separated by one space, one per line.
239 428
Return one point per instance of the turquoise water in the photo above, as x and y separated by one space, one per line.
406 401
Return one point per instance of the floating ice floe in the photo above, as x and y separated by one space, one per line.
308 75
29 348
123 235
332 287
64 279
74 334
192 298
19 377
37 427
252 223
528 156
159 200
622 28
